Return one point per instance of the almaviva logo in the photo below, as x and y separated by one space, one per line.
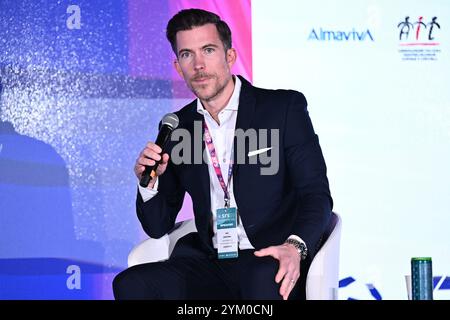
338 35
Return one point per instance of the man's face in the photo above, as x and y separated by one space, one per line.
202 61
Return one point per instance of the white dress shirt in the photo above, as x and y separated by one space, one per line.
223 136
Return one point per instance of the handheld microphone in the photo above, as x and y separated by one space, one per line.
168 123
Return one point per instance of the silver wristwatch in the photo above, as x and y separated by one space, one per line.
300 246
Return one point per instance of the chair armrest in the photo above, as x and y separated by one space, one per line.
153 250
150 250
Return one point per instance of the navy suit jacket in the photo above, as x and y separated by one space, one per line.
295 200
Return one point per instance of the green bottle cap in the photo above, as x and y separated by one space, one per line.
421 259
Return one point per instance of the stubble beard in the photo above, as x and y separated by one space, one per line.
217 91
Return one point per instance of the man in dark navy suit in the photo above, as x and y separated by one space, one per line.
258 226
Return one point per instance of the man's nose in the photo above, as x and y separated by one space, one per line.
199 62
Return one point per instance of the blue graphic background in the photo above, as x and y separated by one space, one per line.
73 120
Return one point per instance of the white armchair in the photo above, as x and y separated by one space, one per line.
323 275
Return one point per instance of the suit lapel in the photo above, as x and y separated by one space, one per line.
246 110
201 169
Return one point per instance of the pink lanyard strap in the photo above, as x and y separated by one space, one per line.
216 164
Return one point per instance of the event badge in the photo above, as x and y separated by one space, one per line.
227 233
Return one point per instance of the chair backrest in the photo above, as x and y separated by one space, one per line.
322 280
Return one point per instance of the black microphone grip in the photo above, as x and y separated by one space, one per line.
150 171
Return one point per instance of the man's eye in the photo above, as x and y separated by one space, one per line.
184 55
209 50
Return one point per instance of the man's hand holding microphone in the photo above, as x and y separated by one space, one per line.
148 157
152 161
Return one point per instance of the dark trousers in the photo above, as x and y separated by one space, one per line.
190 273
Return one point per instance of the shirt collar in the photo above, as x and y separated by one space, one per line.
233 103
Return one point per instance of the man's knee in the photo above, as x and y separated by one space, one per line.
129 285
258 282
122 284
262 269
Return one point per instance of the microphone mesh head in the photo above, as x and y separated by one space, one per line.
170 119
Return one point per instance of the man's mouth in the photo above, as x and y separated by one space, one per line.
201 79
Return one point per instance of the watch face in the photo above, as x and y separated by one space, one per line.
303 250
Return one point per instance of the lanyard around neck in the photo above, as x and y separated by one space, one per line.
216 164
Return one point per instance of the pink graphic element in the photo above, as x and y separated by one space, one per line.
418 27
420 44
151 57
237 14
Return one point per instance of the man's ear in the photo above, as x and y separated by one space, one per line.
177 67
231 57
